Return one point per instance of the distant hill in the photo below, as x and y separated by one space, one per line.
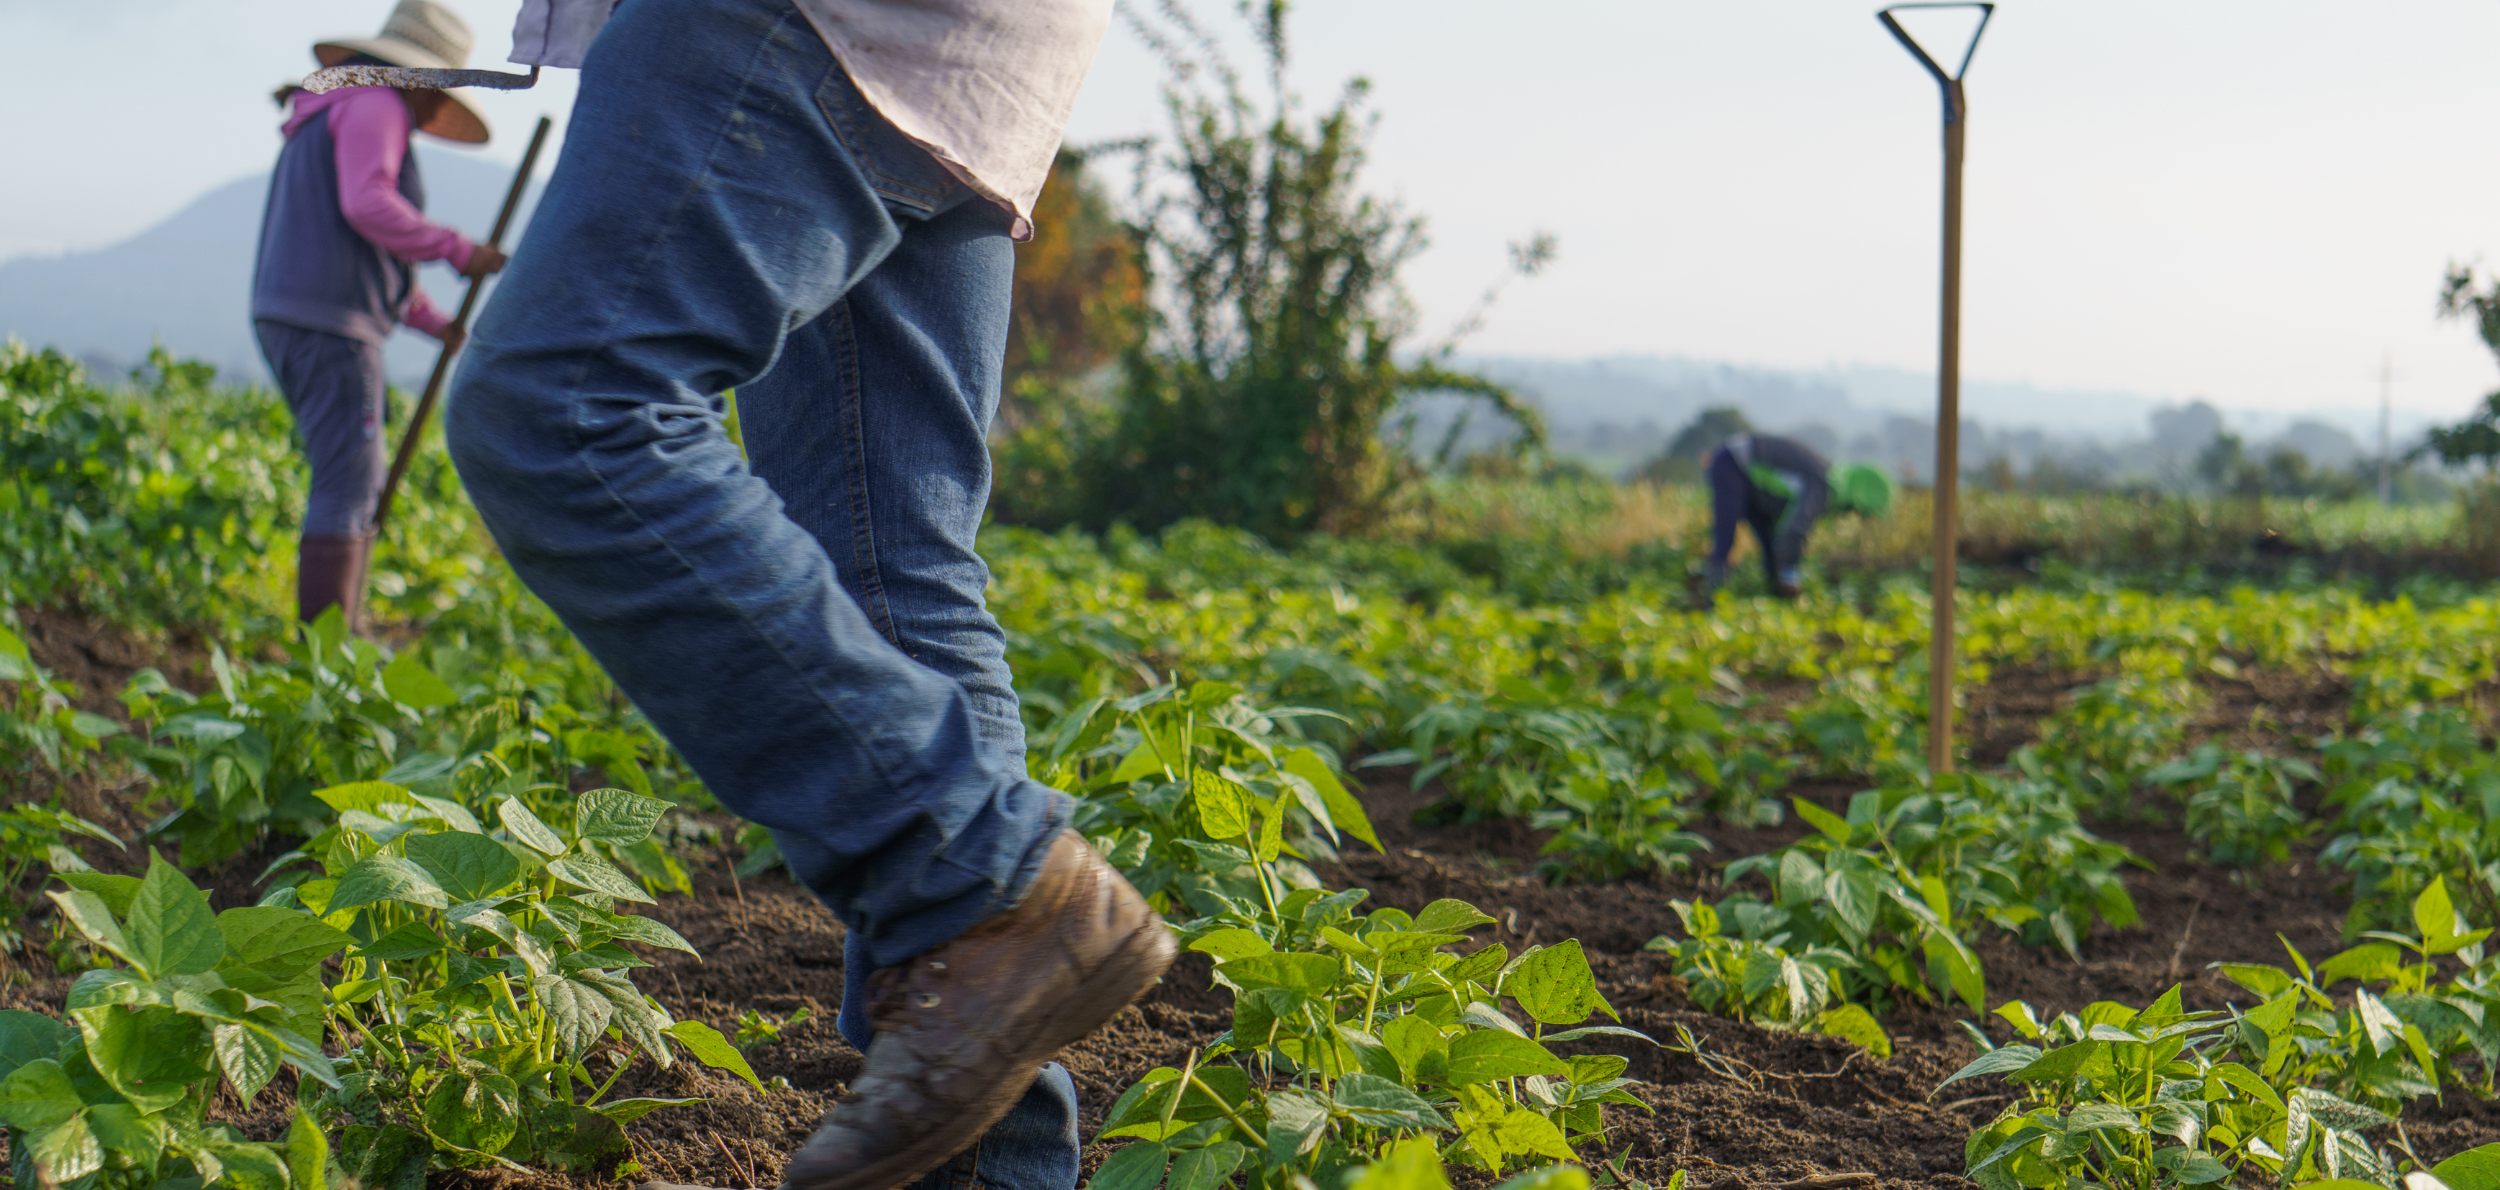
187 280
1616 411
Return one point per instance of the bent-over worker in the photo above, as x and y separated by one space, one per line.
340 240
1779 486
816 202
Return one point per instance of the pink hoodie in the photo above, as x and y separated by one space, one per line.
369 127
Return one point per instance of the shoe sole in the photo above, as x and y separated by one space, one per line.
1117 983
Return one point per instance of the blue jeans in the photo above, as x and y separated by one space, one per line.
807 629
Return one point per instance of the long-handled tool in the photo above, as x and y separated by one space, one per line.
1948 383
460 322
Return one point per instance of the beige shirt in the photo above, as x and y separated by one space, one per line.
985 85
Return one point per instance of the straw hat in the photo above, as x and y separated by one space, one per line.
423 34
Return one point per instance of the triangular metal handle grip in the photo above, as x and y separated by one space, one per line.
1910 43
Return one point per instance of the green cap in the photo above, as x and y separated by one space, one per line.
1859 488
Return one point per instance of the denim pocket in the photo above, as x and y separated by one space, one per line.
898 169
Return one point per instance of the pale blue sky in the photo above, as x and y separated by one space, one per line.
2246 200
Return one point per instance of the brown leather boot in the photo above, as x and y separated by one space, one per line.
962 1029
331 570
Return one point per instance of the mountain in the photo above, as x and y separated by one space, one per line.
187 281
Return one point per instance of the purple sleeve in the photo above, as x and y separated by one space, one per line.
370 129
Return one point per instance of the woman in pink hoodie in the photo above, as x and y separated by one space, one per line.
340 241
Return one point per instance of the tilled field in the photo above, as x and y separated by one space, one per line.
1767 1110
1777 1108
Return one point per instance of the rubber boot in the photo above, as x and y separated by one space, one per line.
331 570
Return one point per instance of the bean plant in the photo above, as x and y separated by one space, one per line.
191 1001
1350 1030
483 989
2133 1100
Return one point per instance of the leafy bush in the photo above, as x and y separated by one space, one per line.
120 1093
1349 1031
2117 1097
484 979
2240 803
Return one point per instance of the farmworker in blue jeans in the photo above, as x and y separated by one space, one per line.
816 204
1780 487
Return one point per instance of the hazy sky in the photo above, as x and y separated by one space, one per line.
2245 200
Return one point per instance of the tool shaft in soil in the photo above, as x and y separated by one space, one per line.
460 322
1947 529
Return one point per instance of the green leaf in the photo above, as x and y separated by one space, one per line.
1556 986
1485 1055
2384 1031
2256 977
1523 1131
1852 896
385 1158
172 930
282 942
1205 1169
28 1037
599 876
151 1055
2368 962
713 1050
635 928
2004 1059
116 891
1414 1163
1295 1123
1447 916
2191 1167
1223 807
411 940
38 1095
1139 1165
1233 943
307 1154
87 912
126 1134
617 816
480 1112
408 681
1958 967
466 867
1832 825
1343 808
526 829
1856 1026
248 1060
365 795
1376 1102
641 1022
626 1111
578 1012
1272 833
2473 1169
380 877
1313 974
2062 1063
1549 1177
1408 1039
67 1151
